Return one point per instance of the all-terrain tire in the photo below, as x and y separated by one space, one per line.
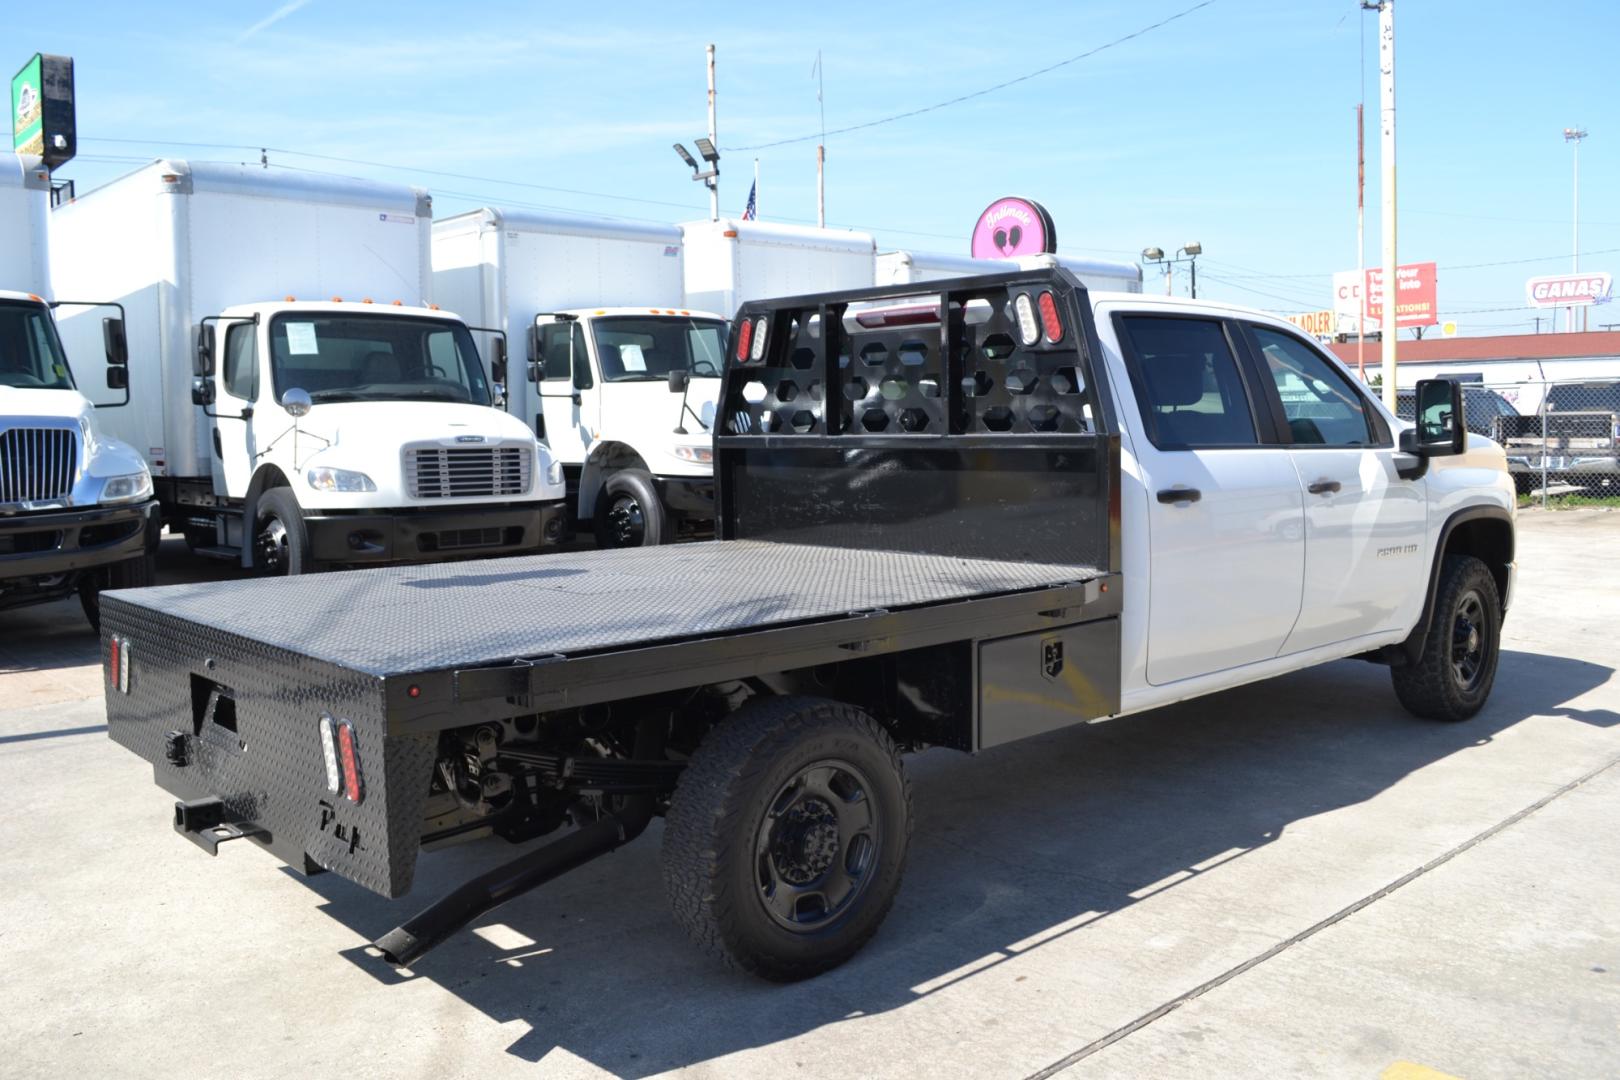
1453 677
136 573
727 806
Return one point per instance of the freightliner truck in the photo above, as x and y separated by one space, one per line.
998 510
299 400
77 512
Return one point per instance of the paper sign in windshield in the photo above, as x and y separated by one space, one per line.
301 339
633 359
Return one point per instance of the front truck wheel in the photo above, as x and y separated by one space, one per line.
1453 677
136 573
280 541
629 512
786 837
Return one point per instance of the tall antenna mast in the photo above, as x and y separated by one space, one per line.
714 139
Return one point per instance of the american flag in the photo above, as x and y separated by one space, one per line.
751 210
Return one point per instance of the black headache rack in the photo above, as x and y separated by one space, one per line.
973 555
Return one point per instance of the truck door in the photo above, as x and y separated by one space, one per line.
236 404
1226 548
567 394
1365 556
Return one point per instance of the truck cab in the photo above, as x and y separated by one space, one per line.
77 512
354 433
627 400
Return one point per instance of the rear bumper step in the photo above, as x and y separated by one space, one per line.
205 823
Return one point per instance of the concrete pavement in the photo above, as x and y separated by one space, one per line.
1199 891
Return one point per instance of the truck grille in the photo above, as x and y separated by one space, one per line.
441 472
37 464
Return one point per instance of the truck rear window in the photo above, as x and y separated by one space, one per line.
1187 383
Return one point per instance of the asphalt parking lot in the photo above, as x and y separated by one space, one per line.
1294 878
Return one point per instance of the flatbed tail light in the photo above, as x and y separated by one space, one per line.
1050 322
1029 332
757 353
118 664
745 336
349 758
334 778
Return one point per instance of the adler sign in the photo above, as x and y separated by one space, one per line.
1566 290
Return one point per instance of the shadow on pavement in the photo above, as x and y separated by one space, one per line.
1011 850
48 637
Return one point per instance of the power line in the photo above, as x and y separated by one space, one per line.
978 93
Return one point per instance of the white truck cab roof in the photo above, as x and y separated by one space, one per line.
336 307
610 312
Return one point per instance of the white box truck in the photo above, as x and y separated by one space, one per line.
729 263
1098 275
76 508
599 305
298 400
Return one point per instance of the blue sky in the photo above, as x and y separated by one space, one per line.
1233 126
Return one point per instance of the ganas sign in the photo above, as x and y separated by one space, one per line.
1565 290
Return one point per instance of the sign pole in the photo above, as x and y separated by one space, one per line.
714 185
1386 88
1361 242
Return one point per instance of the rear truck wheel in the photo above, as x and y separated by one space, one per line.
1453 677
136 573
629 513
786 837
280 543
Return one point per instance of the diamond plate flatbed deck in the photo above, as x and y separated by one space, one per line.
396 620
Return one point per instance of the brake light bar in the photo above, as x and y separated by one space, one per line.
878 318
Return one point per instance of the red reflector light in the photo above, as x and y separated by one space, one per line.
1049 317
898 316
350 759
745 337
112 664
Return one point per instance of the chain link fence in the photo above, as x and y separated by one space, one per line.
1562 437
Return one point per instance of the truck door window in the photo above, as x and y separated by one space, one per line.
241 369
554 347
1187 383
1322 407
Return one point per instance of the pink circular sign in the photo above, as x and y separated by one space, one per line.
1013 226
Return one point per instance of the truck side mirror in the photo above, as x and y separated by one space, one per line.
117 346
202 390
497 360
678 380
117 376
1441 428
205 351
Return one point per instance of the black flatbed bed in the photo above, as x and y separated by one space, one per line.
409 619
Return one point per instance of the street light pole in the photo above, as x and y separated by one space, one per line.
1386 93
1574 136
1192 250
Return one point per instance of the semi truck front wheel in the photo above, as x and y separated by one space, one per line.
136 573
280 542
786 837
629 513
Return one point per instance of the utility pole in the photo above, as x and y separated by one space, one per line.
1361 241
1386 152
714 188
821 151
1574 136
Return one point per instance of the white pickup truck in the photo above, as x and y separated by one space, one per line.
959 519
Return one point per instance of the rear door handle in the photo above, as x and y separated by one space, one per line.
1180 495
1324 487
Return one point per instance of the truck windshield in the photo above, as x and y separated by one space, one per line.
377 357
31 357
634 348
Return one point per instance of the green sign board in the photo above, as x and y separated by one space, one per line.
28 109
42 115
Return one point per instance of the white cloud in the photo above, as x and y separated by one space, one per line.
271 19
